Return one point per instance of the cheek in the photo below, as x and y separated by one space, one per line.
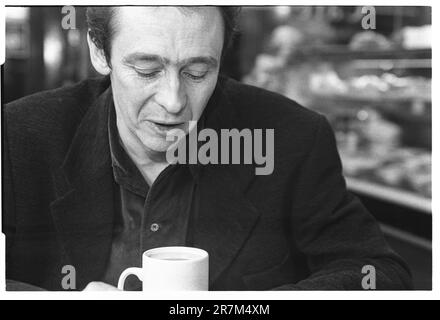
128 108
200 97
131 97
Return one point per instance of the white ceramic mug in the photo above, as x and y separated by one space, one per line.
171 268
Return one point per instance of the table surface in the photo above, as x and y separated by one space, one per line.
12 285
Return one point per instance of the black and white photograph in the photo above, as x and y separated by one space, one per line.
211 148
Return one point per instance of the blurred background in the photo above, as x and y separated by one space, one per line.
374 86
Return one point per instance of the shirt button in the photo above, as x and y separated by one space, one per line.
154 227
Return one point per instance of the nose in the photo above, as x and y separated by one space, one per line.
171 94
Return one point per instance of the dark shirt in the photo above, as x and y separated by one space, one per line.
148 216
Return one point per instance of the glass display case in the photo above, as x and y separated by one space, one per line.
379 103
374 86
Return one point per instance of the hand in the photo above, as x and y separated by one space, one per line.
99 286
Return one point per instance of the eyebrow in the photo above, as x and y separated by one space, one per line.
209 60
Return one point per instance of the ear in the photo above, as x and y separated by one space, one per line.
97 57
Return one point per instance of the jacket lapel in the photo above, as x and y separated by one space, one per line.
83 214
226 217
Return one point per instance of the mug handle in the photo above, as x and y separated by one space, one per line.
127 272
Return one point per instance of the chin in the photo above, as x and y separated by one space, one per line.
157 145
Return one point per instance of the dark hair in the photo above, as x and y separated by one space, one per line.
101 31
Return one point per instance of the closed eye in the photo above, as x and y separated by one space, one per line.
145 73
195 75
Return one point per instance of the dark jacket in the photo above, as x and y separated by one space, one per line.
297 228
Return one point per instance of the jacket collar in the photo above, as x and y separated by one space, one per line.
83 214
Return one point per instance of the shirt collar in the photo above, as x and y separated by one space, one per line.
125 171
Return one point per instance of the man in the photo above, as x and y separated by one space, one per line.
87 183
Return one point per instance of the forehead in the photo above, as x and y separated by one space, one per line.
168 30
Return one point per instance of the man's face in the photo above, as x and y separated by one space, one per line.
165 63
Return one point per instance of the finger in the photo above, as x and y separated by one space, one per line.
100 286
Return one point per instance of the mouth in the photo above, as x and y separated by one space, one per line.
163 127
